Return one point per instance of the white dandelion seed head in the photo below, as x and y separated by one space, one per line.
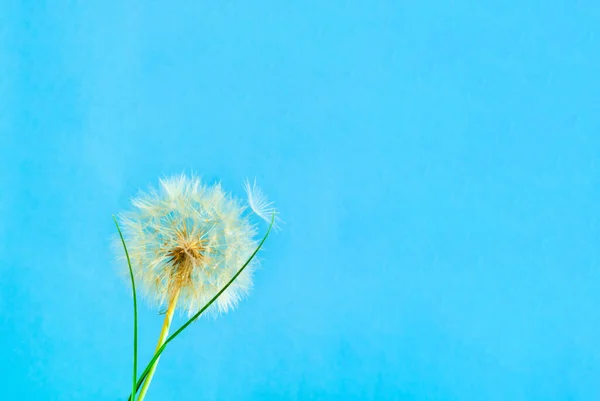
187 240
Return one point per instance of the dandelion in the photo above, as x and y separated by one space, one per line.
186 241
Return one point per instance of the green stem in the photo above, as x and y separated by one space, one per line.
135 316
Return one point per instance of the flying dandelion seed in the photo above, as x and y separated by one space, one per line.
186 240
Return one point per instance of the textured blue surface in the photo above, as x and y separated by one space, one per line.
436 162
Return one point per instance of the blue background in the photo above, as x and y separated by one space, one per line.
436 164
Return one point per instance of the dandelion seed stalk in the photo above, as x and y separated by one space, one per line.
161 340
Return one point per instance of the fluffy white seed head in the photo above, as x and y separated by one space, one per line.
187 240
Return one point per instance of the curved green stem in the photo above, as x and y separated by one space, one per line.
135 316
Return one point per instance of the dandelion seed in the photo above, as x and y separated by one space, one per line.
259 203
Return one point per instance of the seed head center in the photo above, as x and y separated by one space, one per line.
188 252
